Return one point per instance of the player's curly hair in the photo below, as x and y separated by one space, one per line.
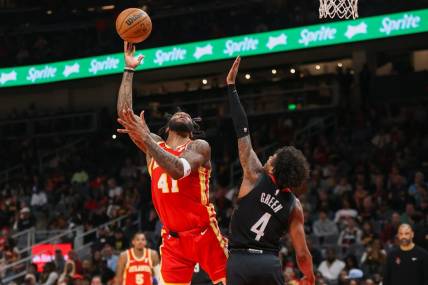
197 133
290 168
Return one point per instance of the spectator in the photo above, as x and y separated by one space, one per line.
49 275
96 280
113 189
350 236
68 274
389 230
373 258
110 257
59 261
345 212
331 267
324 228
408 215
39 199
415 188
25 220
343 187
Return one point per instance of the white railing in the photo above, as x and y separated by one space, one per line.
76 235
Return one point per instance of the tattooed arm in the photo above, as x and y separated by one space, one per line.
124 98
250 163
197 154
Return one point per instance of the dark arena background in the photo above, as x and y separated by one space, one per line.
351 94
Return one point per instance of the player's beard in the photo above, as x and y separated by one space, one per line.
180 127
405 242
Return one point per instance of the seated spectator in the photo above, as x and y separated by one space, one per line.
113 189
414 190
345 212
69 271
331 267
96 280
350 236
408 215
39 199
390 229
110 257
25 220
368 234
324 228
342 187
373 258
49 275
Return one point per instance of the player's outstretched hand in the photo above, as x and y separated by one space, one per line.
130 60
231 77
133 125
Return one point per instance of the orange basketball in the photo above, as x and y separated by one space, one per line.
133 25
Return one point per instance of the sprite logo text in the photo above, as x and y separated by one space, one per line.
35 74
405 23
246 44
323 34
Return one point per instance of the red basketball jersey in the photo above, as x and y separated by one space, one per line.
182 204
138 271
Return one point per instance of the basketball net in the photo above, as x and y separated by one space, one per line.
340 8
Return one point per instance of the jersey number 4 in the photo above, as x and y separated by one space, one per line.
259 227
163 184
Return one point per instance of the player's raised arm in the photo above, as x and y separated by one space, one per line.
297 234
118 280
124 99
250 163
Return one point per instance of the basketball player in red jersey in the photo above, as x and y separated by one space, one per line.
180 168
138 264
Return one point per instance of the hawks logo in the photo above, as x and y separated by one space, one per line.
397 260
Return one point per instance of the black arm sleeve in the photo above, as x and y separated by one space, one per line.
239 117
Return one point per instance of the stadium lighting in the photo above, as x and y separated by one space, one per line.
339 64
107 7
274 71
114 136
204 81
247 76
292 70
317 67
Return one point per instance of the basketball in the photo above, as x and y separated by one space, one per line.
133 25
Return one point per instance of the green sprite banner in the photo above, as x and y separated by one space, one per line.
247 45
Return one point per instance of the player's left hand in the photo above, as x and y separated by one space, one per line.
135 126
231 77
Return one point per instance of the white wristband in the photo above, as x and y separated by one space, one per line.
186 167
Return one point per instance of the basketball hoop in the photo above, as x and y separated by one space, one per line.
340 8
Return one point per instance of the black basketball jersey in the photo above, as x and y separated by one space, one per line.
261 217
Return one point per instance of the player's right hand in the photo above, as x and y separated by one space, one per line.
130 60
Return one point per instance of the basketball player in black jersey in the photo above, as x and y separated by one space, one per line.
266 209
